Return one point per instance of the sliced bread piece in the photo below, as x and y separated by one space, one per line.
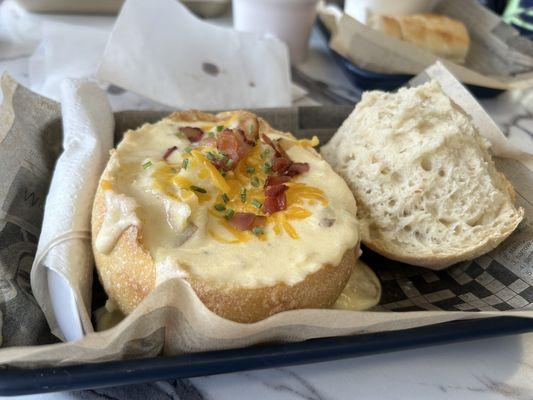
427 190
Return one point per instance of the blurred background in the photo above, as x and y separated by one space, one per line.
167 54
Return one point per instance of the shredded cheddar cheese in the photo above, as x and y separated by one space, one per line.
240 190
216 177
313 142
106 185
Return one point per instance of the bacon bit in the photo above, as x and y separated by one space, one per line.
275 199
276 180
274 204
276 146
281 164
297 169
245 139
169 151
231 143
275 190
244 221
194 134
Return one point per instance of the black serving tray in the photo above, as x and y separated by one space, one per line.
15 382
304 121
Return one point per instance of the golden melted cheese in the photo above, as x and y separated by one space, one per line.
363 290
187 235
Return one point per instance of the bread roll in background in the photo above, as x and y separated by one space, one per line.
427 190
443 36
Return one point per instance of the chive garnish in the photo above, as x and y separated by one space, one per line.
258 230
220 207
220 127
267 168
250 169
243 195
185 163
147 164
198 189
255 181
256 203
265 153
224 197
229 213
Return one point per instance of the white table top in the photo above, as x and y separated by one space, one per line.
498 368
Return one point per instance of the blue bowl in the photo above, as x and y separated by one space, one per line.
368 80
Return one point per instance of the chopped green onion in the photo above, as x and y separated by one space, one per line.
225 197
223 173
255 181
198 189
147 164
256 203
251 128
267 168
185 163
258 230
229 163
174 170
180 134
220 127
243 195
250 170
188 149
211 156
211 134
265 153
220 207
229 213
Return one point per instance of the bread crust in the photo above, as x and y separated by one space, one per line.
441 261
128 273
438 34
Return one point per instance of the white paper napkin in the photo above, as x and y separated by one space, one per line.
159 49
64 245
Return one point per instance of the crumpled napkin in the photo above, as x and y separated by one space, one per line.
159 49
64 252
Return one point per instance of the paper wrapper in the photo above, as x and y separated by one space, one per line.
172 320
498 57
161 50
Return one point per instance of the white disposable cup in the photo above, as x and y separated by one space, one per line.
362 9
288 20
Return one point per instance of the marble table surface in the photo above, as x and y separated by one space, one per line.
496 368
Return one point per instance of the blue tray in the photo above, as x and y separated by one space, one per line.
304 121
15 382
364 79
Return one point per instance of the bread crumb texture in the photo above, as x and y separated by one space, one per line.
427 190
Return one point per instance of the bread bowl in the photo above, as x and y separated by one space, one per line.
255 220
428 192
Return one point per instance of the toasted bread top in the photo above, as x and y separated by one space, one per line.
427 190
